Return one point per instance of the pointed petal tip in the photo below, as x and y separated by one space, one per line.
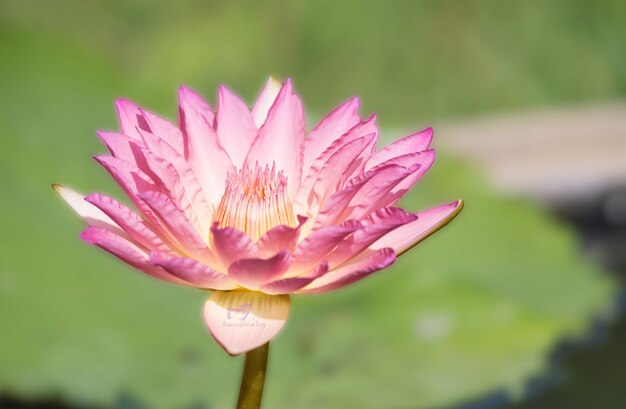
274 81
459 204
184 91
287 88
354 103
457 207
223 90
122 104
188 94
57 187
447 213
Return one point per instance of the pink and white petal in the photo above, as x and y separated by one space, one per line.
279 238
343 276
265 100
360 130
317 245
253 272
126 251
91 214
231 244
361 195
130 118
205 155
423 160
332 127
164 129
128 220
130 178
178 226
332 176
166 175
192 189
281 139
428 222
292 284
133 118
198 102
192 271
243 320
416 142
123 147
133 181
375 226
234 125
366 129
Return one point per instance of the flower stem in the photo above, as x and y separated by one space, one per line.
253 378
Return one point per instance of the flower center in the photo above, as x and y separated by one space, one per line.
255 200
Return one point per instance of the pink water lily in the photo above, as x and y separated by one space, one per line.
244 203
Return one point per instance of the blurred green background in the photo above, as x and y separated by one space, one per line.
474 310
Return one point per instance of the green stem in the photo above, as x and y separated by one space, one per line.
253 378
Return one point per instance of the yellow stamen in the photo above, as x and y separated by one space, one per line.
255 200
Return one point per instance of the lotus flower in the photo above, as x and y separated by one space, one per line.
243 203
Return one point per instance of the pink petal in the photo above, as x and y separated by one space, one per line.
349 274
167 131
133 181
376 226
123 147
265 101
231 244
90 213
361 196
424 160
177 224
125 251
206 156
130 178
331 128
291 284
316 246
131 118
193 272
427 223
281 139
329 160
163 173
167 177
191 188
243 320
128 220
252 273
332 175
234 125
416 142
195 100
279 238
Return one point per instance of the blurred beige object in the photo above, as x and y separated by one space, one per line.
552 154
